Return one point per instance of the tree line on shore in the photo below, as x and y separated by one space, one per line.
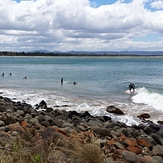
39 53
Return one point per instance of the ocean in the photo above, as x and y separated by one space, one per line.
100 82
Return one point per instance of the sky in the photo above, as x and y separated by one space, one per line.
81 25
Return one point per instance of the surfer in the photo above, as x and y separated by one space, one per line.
3 74
61 80
131 86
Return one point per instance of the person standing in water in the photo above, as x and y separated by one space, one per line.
61 80
131 86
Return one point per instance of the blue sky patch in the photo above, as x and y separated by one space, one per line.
152 37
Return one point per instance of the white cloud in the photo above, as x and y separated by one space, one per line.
77 25
158 4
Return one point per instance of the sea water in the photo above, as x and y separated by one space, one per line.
101 82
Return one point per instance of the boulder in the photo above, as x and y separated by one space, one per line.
103 132
144 116
42 105
130 157
157 150
113 109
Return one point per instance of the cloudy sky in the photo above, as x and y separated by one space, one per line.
83 25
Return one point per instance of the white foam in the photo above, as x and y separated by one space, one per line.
152 99
131 92
96 107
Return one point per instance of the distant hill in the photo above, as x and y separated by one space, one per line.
113 52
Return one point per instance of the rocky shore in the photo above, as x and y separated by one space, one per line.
53 136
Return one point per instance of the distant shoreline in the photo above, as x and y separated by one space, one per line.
116 56
84 54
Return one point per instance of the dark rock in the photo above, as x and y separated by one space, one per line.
133 132
48 133
153 126
58 112
42 105
57 122
6 106
113 109
148 130
45 123
85 115
160 122
76 121
124 131
101 131
111 124
41 118
157 138
10 120
73 113
48 118
104 118
144 116
161 130
49 110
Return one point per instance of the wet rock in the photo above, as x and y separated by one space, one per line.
144 116
42 105
148 130
113 109
160 122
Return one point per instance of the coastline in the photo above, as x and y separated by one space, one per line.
116 140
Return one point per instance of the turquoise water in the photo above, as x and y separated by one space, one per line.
101 81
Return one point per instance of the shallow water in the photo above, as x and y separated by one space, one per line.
101 81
